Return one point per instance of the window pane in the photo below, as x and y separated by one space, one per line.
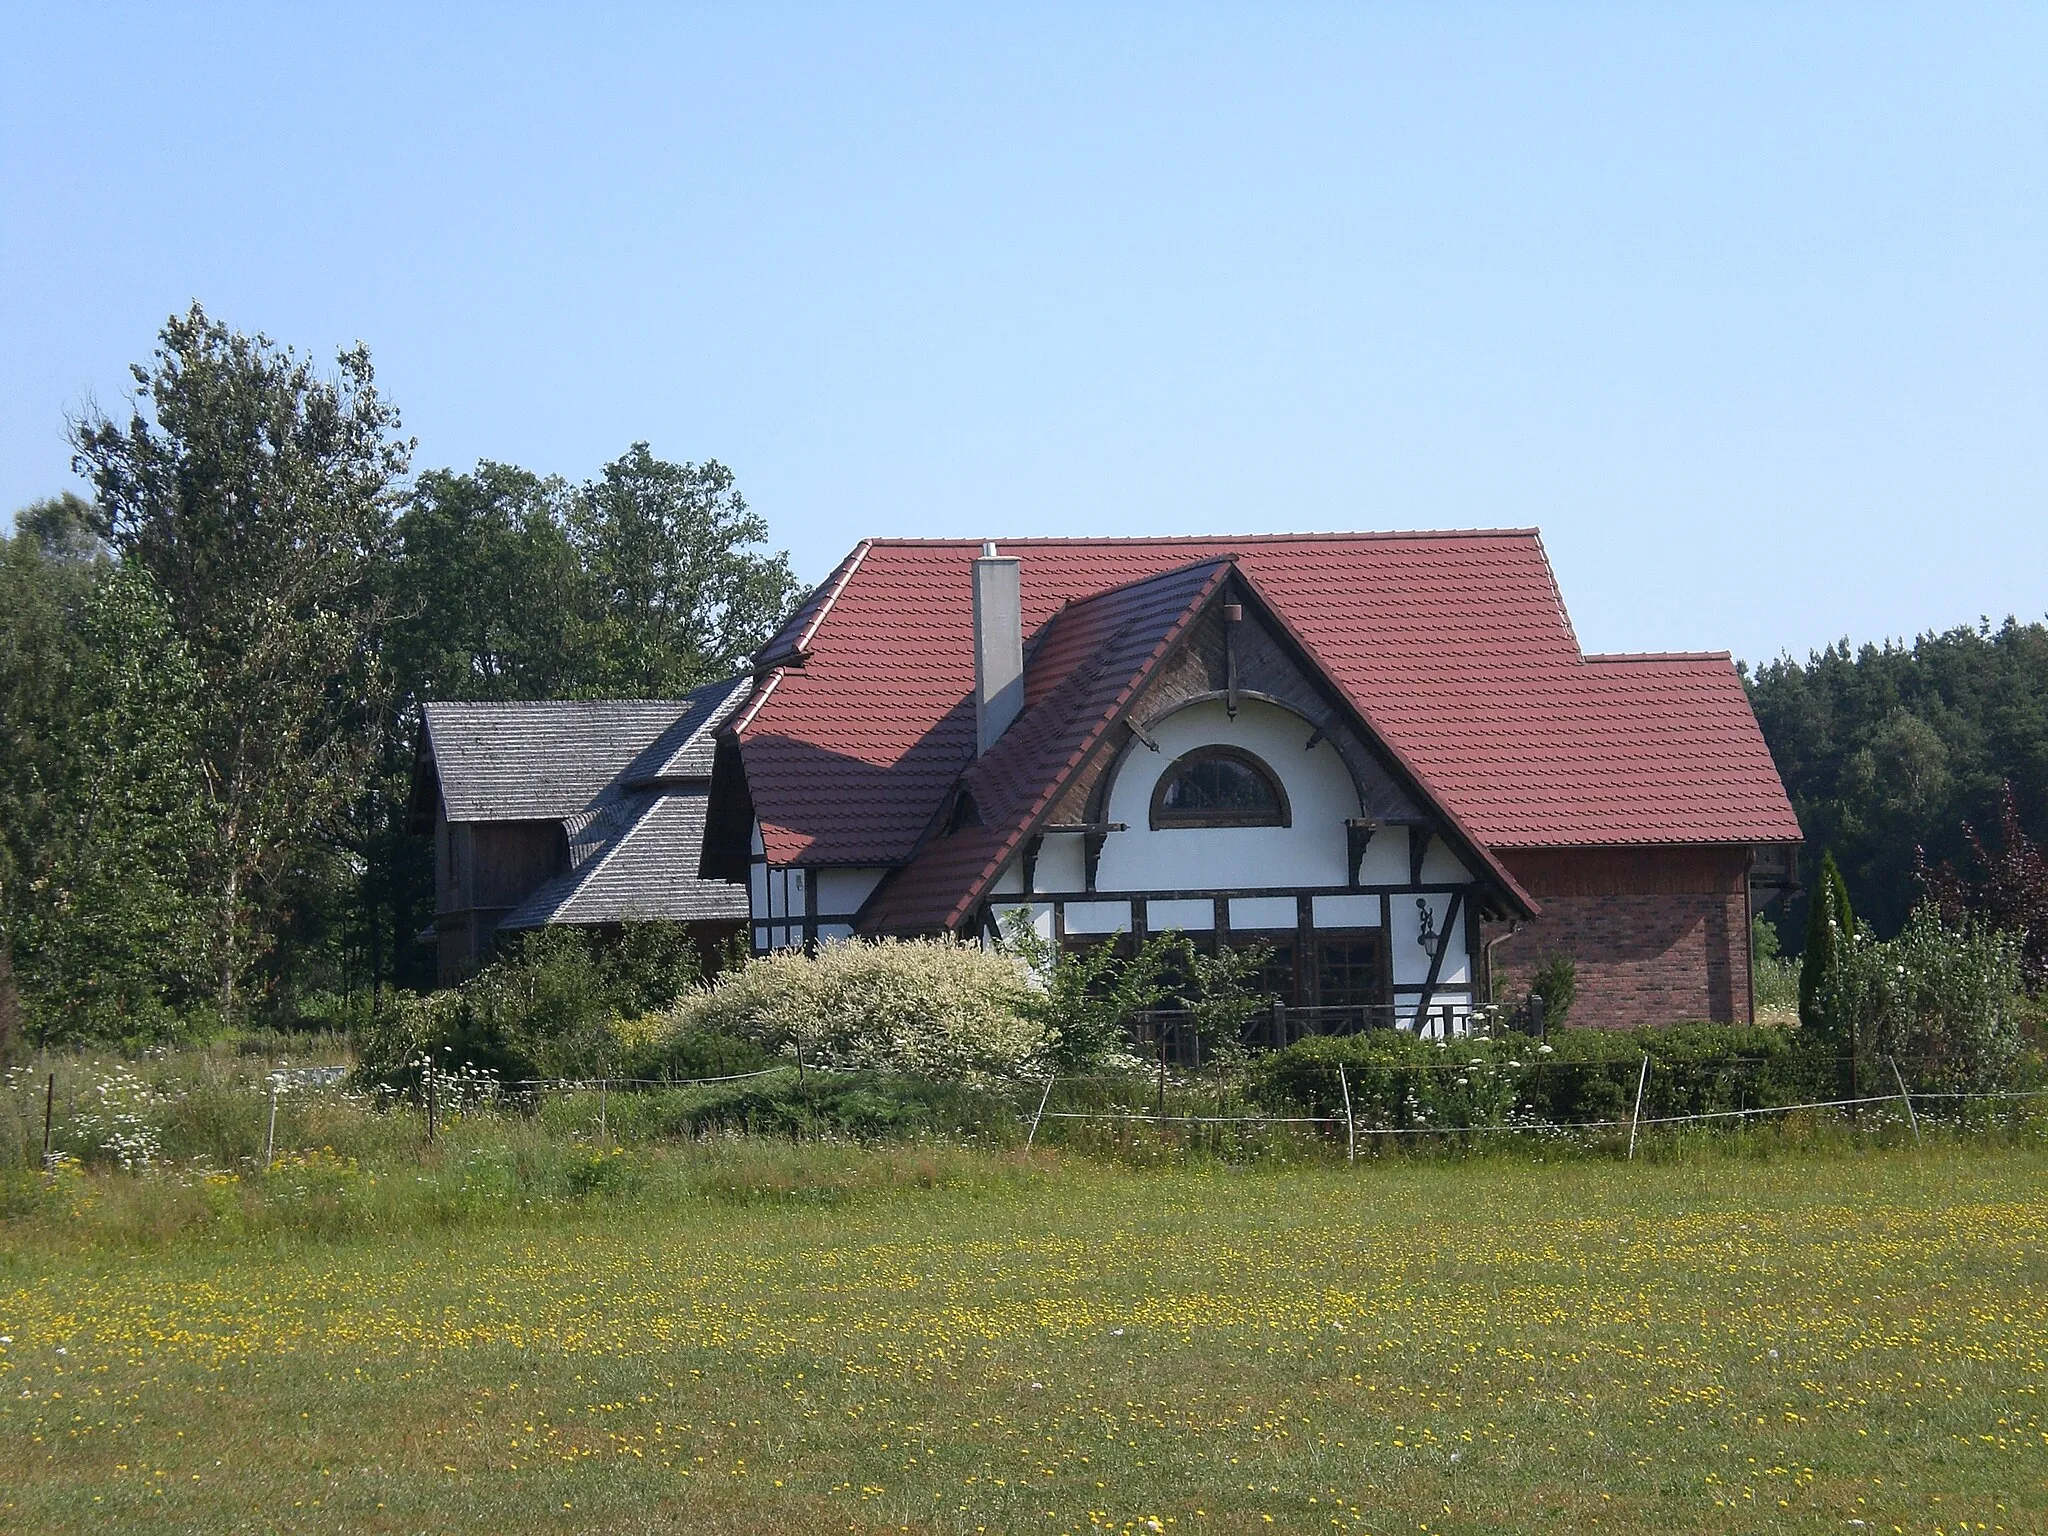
1347 972
1220 784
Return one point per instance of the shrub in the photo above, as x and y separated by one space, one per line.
1945 1001
1579 1077
1830 937
931 1008
1557 982
547 1008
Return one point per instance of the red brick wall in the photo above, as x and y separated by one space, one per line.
1659 934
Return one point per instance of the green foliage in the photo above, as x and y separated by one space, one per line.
1579 1077
258 497
1221 998
936 1009
1083 996
2011 895
1556 981
1774 980
1946 1002
678 597
1892 748
1831 935
548 1008
108 934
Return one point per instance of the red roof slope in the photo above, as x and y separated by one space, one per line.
1094 656
1455 645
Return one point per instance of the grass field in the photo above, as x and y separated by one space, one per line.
1845 1341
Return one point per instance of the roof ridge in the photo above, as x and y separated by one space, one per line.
1613 656
1153 539
1073 604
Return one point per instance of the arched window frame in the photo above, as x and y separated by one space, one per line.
1165 819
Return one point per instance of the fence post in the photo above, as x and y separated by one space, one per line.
270 1132
1899 1078
433 1098
604 1133
1159 1029
1350 1125
49 1116
1032 1135
1642 1082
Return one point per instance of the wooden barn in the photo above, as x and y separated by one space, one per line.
1384 755
566 812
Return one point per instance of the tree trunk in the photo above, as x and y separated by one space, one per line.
10 1004
226 937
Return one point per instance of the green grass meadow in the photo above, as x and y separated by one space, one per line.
737 1337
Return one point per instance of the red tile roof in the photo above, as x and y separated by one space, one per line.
1092 659
1454 646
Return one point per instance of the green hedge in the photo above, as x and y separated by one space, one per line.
1580 1076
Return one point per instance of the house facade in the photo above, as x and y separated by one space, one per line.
1382 757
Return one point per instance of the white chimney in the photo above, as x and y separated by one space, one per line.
998 645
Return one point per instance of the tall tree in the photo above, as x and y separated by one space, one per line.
1886 749
487 590
258 496
680 592
45 576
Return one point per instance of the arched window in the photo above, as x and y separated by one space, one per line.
1219 787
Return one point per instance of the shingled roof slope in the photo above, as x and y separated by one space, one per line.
634 860
1456 646
1093 657
547 760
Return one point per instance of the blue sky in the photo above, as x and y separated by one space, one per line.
1745 306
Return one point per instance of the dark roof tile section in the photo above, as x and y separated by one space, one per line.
634 860
544 761
1090 662
1455 645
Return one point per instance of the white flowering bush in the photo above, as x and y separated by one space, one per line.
116 1124
930 1008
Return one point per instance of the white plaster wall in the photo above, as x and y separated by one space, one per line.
1188 916
755 842
1309 852
1062 863
1346 911
841 891
1386 858
1411 960
1441 867
1267 912
835 931
1041 916
1010 882
1098 916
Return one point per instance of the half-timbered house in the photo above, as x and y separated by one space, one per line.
1383 756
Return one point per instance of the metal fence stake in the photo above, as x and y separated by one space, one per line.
1032 1134
1899 1078
1350 1126
49 1116
1642 1081
270 1134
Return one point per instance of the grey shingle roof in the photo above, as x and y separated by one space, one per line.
634 860
543 761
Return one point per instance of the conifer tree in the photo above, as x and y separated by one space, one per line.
1830 930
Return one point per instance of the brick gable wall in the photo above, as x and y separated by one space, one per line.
1659 934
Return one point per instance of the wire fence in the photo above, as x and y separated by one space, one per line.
1610 1097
